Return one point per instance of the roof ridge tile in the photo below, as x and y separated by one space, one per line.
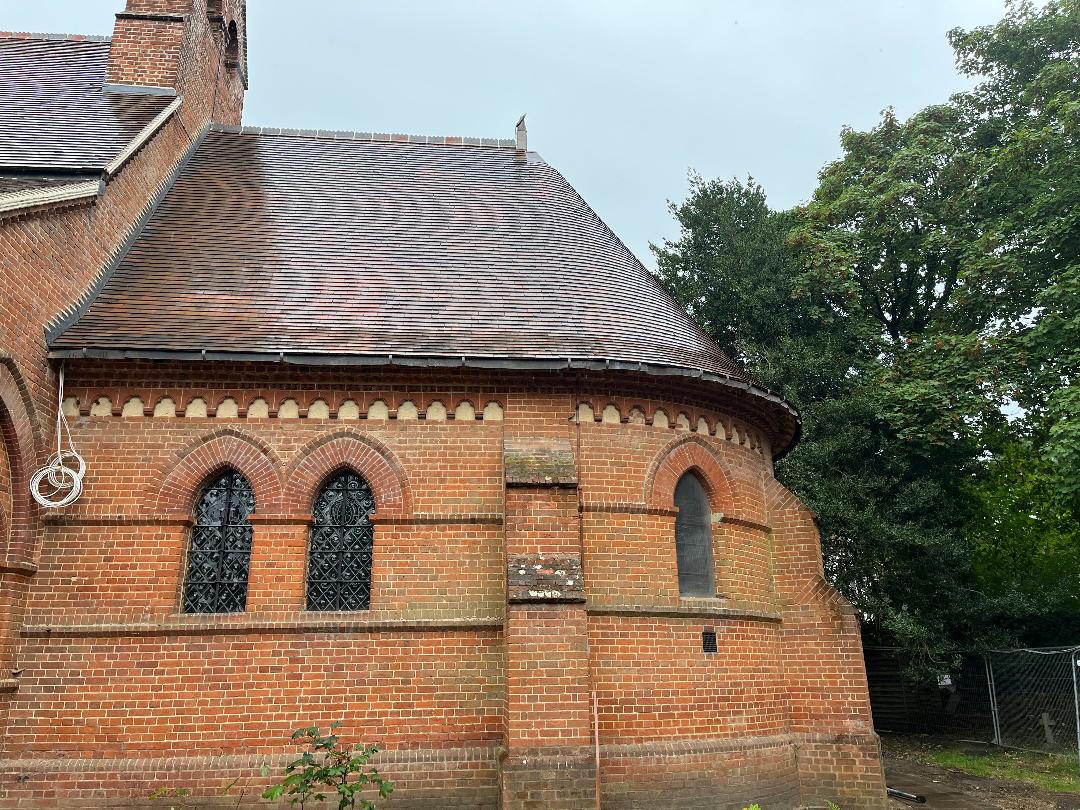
54 37
377 137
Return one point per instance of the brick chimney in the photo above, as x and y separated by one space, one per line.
193 48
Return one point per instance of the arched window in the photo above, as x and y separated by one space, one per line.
693 538
342 537
220 552
232 46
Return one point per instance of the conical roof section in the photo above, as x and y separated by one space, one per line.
353 247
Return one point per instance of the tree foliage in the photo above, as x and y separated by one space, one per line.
923 312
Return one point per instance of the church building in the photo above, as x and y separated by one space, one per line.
302 426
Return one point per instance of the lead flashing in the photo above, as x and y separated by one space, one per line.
139 90
151 16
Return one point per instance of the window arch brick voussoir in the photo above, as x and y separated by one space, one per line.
24 445
688 453
348 450
183 478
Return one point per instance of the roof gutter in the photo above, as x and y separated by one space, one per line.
459 361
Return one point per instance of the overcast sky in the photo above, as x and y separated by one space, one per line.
623 97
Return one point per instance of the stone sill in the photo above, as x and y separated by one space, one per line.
688 609
182 625
200 762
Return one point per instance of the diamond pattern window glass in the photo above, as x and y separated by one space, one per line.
220 550
693 538
342 536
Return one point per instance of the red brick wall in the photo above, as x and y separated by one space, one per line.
478 700
145 52
244 693
440 663
702 775
175 43
653 681
52 256
548 677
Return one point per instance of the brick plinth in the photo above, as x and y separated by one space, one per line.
845 769
716 774
461 778
549 778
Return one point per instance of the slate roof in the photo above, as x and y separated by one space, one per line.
54 114
348 245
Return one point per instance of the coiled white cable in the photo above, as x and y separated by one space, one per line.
60 482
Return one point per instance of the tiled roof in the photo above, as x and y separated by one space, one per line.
26 181
54 114
351 246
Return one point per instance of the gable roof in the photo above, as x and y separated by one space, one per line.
54 111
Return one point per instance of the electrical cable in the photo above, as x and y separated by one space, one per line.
60 482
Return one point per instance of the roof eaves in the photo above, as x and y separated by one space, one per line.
15 201
54 37
447 361
147 132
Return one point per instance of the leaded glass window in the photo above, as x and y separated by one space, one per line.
693 538
342 537
220 552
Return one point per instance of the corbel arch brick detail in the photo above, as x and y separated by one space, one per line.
353 451
182 478
682 455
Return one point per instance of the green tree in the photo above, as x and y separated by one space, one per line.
929 288
888 514
1025 130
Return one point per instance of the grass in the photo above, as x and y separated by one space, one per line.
1046 771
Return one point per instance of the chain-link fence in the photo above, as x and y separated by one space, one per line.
1034 697
1014 698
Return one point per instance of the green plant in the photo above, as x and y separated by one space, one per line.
329 768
